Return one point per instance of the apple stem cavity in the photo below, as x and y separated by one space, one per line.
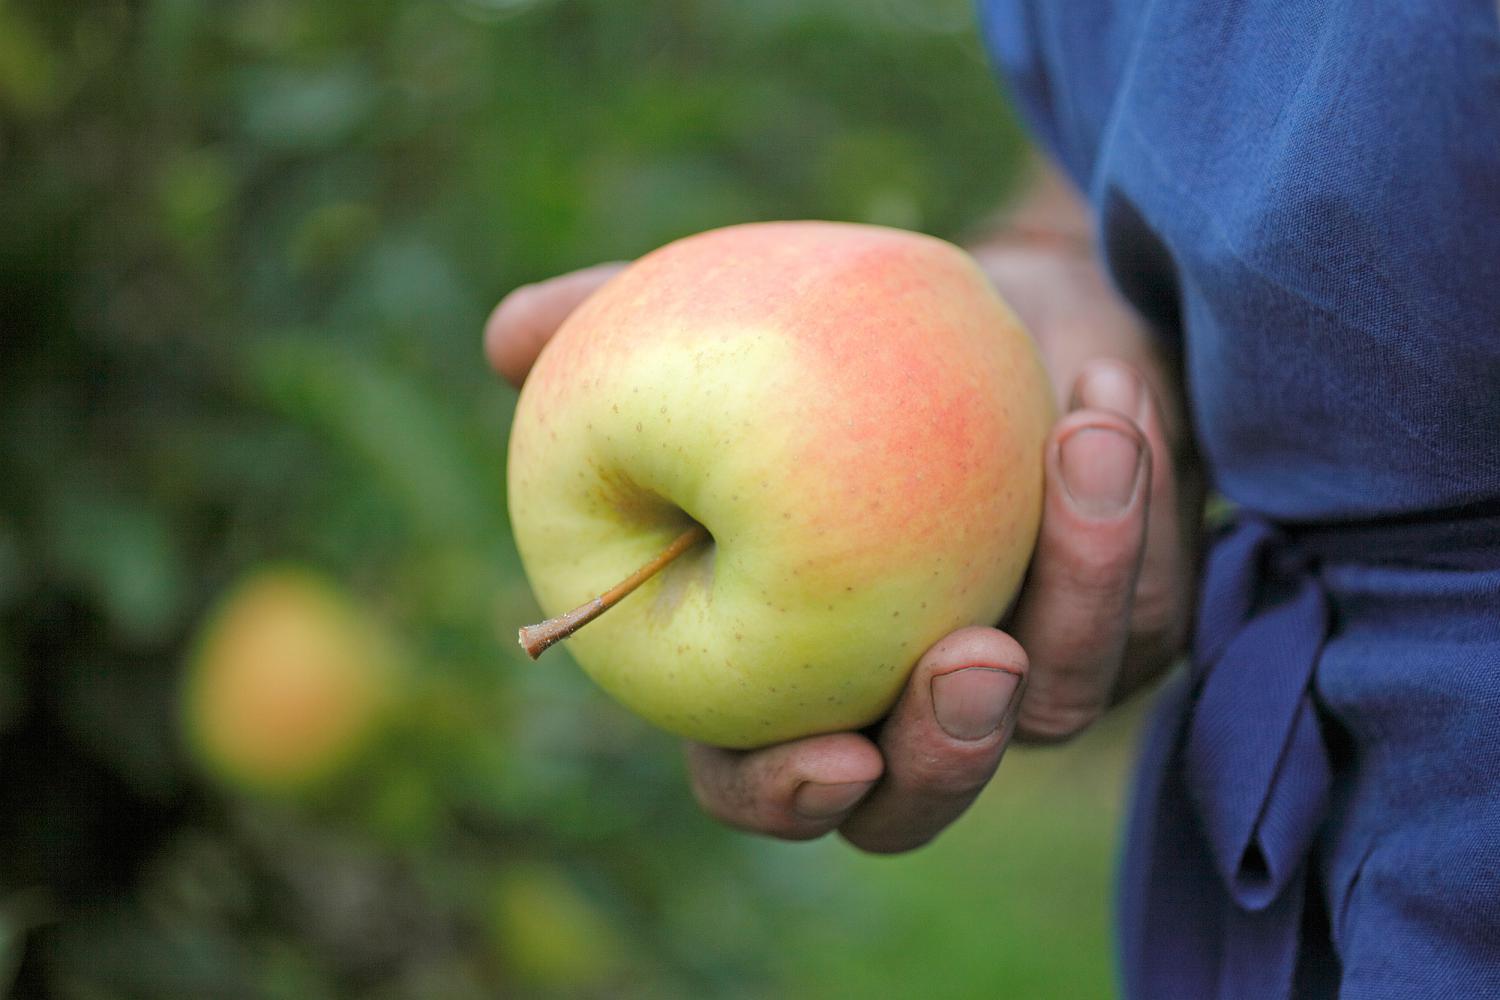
536 639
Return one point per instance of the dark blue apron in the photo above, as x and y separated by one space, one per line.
1304 199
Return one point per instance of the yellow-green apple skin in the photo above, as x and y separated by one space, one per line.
856 418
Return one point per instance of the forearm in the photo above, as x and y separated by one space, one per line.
1041 254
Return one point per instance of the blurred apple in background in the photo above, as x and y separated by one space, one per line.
553 936
840 427
288 682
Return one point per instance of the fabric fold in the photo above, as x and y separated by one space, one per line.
1238 769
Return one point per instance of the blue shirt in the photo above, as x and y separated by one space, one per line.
1304 197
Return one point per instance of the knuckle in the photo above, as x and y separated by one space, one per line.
954 774
734 808
1051 722
743 797
708 796
721 791
1099 571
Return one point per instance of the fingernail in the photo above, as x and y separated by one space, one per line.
1113 387
815 800
1099 468
971 703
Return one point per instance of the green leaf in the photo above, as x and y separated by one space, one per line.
393 426
290 109
120 550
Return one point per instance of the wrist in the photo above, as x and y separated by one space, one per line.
1034 236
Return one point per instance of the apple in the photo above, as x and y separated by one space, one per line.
809 450
553 936
287 683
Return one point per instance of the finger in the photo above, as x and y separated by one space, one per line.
943 740
795 791
523 322
1074 613
1159 607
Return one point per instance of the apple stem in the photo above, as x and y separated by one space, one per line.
535 639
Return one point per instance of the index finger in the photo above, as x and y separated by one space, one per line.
523 322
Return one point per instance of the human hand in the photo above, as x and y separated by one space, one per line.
1102 608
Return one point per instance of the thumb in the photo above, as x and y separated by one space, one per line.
943 740
523 322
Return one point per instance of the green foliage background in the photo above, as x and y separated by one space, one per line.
246 248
